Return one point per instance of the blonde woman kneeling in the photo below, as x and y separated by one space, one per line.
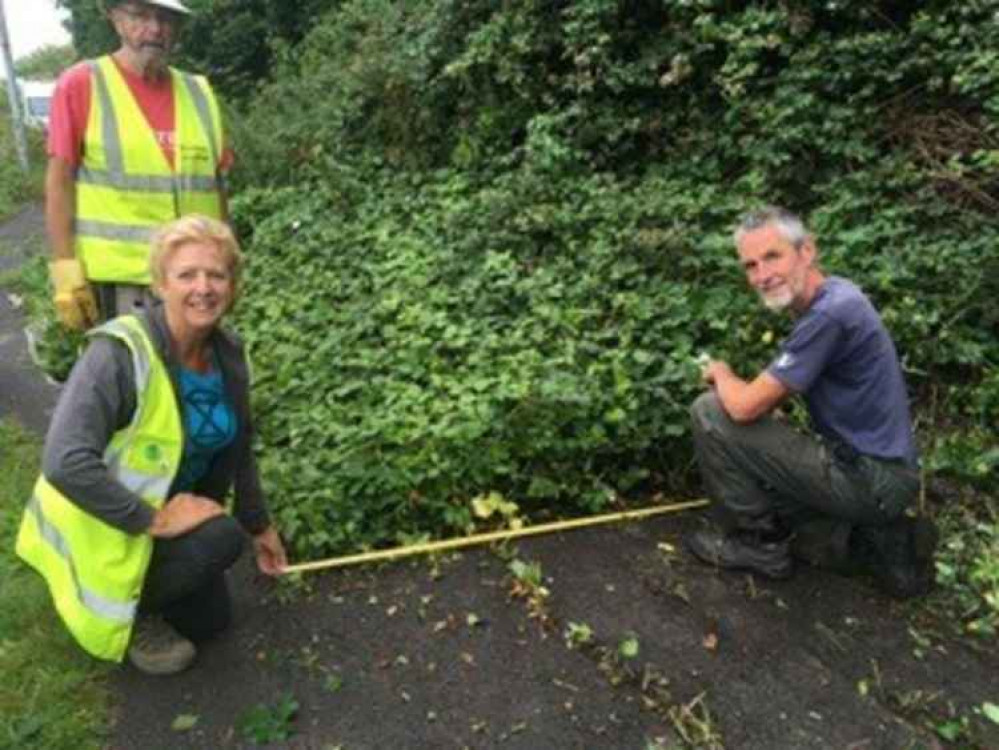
151 431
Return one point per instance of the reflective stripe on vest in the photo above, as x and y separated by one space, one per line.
112 610
125 188
95 571
144 183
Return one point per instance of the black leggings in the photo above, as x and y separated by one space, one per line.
186 578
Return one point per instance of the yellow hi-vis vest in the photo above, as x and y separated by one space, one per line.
95 571
125 187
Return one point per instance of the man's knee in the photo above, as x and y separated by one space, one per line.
707 412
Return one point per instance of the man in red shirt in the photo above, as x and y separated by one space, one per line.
84 293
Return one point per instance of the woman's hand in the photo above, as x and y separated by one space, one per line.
271 559
183 513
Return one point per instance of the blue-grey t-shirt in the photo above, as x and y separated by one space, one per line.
840 357
209 425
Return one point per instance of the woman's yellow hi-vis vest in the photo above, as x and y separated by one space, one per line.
95 571
125 187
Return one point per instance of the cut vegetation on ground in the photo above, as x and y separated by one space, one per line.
485 243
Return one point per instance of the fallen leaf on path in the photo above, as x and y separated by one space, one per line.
680 591
184 722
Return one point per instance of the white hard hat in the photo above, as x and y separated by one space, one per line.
175 5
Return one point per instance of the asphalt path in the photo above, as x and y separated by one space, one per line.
25 394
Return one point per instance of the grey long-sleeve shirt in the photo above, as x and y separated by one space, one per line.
99 399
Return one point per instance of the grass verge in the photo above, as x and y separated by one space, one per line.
52 694
16 186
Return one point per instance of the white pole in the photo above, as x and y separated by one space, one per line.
17 121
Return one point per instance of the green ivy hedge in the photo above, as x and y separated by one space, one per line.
428 345
487 241
440 338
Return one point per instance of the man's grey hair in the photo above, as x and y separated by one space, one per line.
790 226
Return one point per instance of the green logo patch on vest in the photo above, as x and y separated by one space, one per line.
150 456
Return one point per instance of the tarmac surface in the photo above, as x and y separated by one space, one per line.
24 393
454 653
607 638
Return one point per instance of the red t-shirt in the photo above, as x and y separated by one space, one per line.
71 108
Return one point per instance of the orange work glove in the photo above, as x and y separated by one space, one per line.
73 297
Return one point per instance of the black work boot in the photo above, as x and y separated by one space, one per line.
899 555
825 543
742 550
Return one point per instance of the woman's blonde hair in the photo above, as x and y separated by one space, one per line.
195 228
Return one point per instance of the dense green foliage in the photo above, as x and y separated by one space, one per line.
492 239
17 186
420 349
46 63
235 40
90 32
968 563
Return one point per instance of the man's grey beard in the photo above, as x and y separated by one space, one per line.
778 303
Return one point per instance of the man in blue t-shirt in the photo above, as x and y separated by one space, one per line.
836 498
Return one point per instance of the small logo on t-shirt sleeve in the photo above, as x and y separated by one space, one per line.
784 361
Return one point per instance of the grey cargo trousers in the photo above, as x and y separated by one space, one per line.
767 471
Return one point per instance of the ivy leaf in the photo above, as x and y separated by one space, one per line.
949 730
991 711
184 722
628 648
483 507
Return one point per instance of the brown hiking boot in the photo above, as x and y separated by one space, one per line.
158 649
741 551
